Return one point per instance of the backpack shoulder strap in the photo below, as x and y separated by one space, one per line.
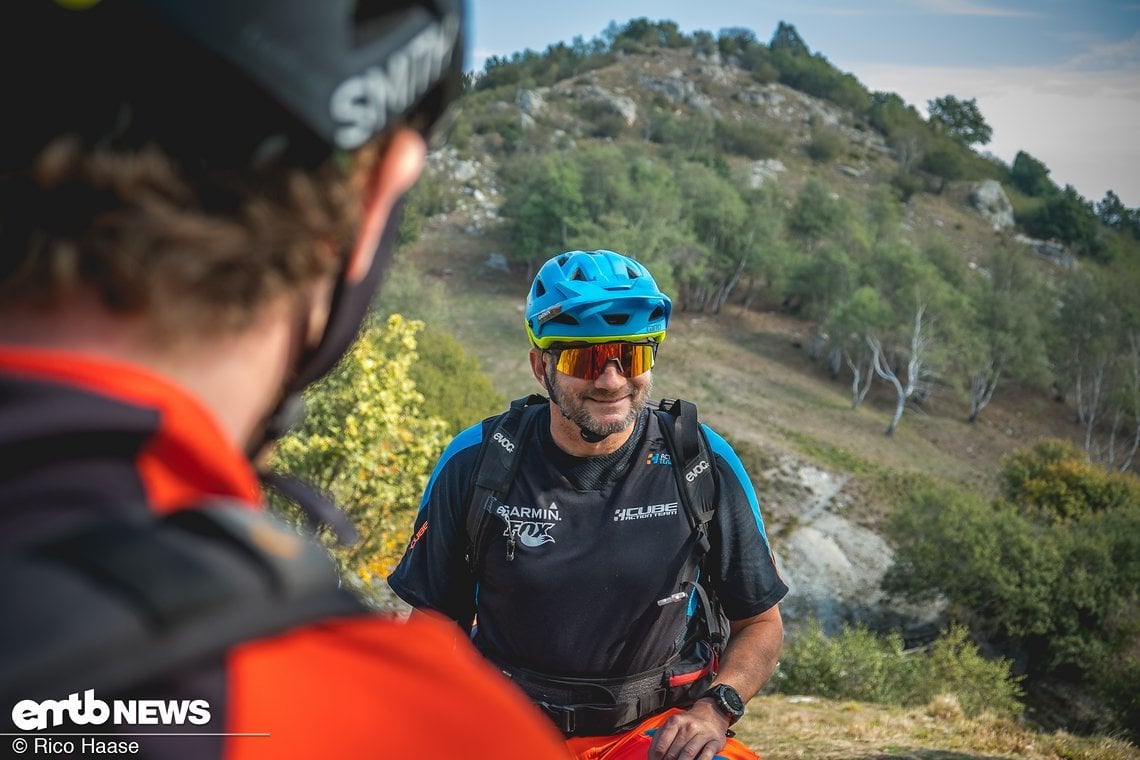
689 449
495 468
698 484
125 600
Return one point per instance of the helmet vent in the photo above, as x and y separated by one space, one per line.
564 319
615 319
631 273
539 288
578 275
658 313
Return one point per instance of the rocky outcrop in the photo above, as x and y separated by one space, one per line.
991 202
832 565
621 104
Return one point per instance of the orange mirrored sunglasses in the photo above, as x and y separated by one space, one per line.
589 361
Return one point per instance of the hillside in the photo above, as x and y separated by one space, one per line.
819 465
748 369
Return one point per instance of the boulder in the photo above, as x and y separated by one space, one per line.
991 201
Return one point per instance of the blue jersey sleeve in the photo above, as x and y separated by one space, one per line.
433 572
743 569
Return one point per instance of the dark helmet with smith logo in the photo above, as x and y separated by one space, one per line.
230 73
232 87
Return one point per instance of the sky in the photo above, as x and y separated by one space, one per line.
1058 79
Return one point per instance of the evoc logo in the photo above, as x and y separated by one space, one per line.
505 442
700 467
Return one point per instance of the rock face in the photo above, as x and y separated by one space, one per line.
991 201
832 565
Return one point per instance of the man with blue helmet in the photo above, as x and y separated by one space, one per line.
583 574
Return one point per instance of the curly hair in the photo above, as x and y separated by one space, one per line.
178 241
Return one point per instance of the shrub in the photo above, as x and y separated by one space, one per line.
953 665
1053 482
504 125
367 444
454 387
602 119
860 665
1050 579
749 139
855 664
825 145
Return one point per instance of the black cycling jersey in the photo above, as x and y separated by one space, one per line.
580 597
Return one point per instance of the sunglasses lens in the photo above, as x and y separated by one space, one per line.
637 360
589 362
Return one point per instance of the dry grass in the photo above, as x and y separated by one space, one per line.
793 728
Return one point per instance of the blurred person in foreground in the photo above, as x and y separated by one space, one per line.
197 203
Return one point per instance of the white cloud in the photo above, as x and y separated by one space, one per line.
1111 55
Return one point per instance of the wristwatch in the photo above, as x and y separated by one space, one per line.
727 700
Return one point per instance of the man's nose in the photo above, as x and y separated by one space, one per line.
611 376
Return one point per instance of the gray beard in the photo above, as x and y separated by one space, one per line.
574 408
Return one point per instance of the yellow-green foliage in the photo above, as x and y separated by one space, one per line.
1054 481
366 442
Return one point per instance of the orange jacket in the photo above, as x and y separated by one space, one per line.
364 686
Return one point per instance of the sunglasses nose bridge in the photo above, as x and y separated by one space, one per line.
616 361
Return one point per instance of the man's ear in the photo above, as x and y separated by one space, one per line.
537 367
393 175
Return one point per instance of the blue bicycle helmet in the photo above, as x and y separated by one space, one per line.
595 297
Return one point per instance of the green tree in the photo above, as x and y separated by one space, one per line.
545 204
890 114
925 317
718 217
960 119
640 33
366 442
1030 176
787 40
816 214
1112 212
945 160
819 281
1069 218
634 204
813 73
861 315
454 387
1005 336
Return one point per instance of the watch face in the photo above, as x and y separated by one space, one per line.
731 699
